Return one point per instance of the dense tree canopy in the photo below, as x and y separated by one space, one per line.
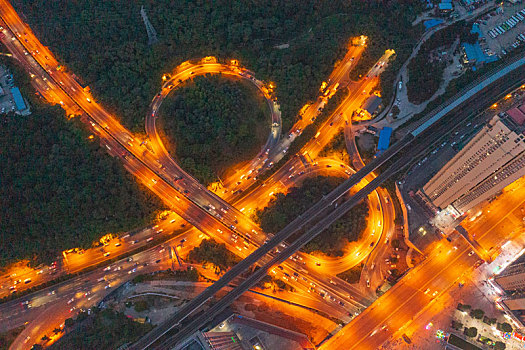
426 74
59 190
214 123
104 329
105 42
284 208
211 251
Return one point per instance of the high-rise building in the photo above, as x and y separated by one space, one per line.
494 158
512 279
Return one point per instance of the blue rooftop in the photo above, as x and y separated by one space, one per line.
432 23
19 100
445 6
476 29
474 52
384 138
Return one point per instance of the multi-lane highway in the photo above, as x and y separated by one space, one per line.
189 199
186 197
429 137
117 140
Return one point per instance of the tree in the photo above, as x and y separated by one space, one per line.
489 320
284 208
352 275
504 327
215 122
69 322
103 329
210 251
499 346
470 332
395 243
395 111
52 170
140 305
457 325
125 72
477 313
463 307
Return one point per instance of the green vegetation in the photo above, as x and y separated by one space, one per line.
7 338
140 305
489 321
270 282
457 325
499 345
103 329
190 274
470 332
124 72
456 86
213 124
352 275
464 307
284 208
210 251
337 146
60 190
366 154
425 73
477 314
504 327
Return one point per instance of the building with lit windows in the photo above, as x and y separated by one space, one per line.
510 283
512 279
494 158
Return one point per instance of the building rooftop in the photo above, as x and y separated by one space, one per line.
517 115
475 53
515 268
445 6
372 103
432 23
476 29
384 138
19 100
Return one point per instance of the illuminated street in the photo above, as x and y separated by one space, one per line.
225 211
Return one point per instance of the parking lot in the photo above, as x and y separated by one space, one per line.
502 28
10 103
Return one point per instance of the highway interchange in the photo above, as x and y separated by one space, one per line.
209 213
